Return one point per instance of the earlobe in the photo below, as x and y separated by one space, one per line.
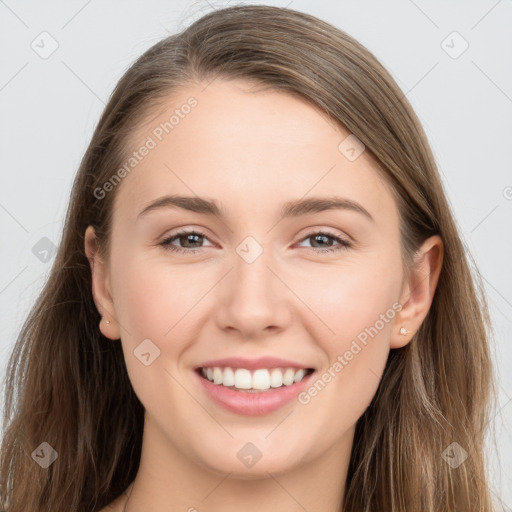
418 291
100 286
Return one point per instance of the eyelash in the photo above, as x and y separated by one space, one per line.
166 244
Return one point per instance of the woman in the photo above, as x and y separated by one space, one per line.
251 369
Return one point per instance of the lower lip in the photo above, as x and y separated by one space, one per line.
253 404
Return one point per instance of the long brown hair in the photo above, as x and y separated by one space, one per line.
67 384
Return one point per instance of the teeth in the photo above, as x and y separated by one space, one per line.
289 377
217 375
276 378
228 377
299 375
243 379
261 379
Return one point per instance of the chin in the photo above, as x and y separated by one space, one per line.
251 463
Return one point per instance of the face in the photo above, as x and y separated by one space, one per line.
318 289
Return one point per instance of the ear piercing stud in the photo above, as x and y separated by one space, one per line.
403 331
107 321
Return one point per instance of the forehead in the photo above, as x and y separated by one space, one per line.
260 148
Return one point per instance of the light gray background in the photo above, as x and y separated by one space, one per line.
50 106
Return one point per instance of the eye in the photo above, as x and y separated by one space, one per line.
196 237
191 236
322 237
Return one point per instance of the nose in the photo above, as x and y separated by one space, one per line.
252 300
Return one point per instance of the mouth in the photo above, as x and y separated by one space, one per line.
260 380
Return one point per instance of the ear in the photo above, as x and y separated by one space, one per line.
101 286
418 290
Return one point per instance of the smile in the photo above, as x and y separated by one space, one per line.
254 392
254 381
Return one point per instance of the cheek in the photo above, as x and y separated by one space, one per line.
153 297
354 315
158 303
355 359
345 300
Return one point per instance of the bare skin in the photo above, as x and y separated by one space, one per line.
251 152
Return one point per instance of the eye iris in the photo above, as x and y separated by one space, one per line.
324 237
189 237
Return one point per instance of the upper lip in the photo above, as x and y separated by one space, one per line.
253 364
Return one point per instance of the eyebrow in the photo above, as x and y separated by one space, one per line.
293 208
